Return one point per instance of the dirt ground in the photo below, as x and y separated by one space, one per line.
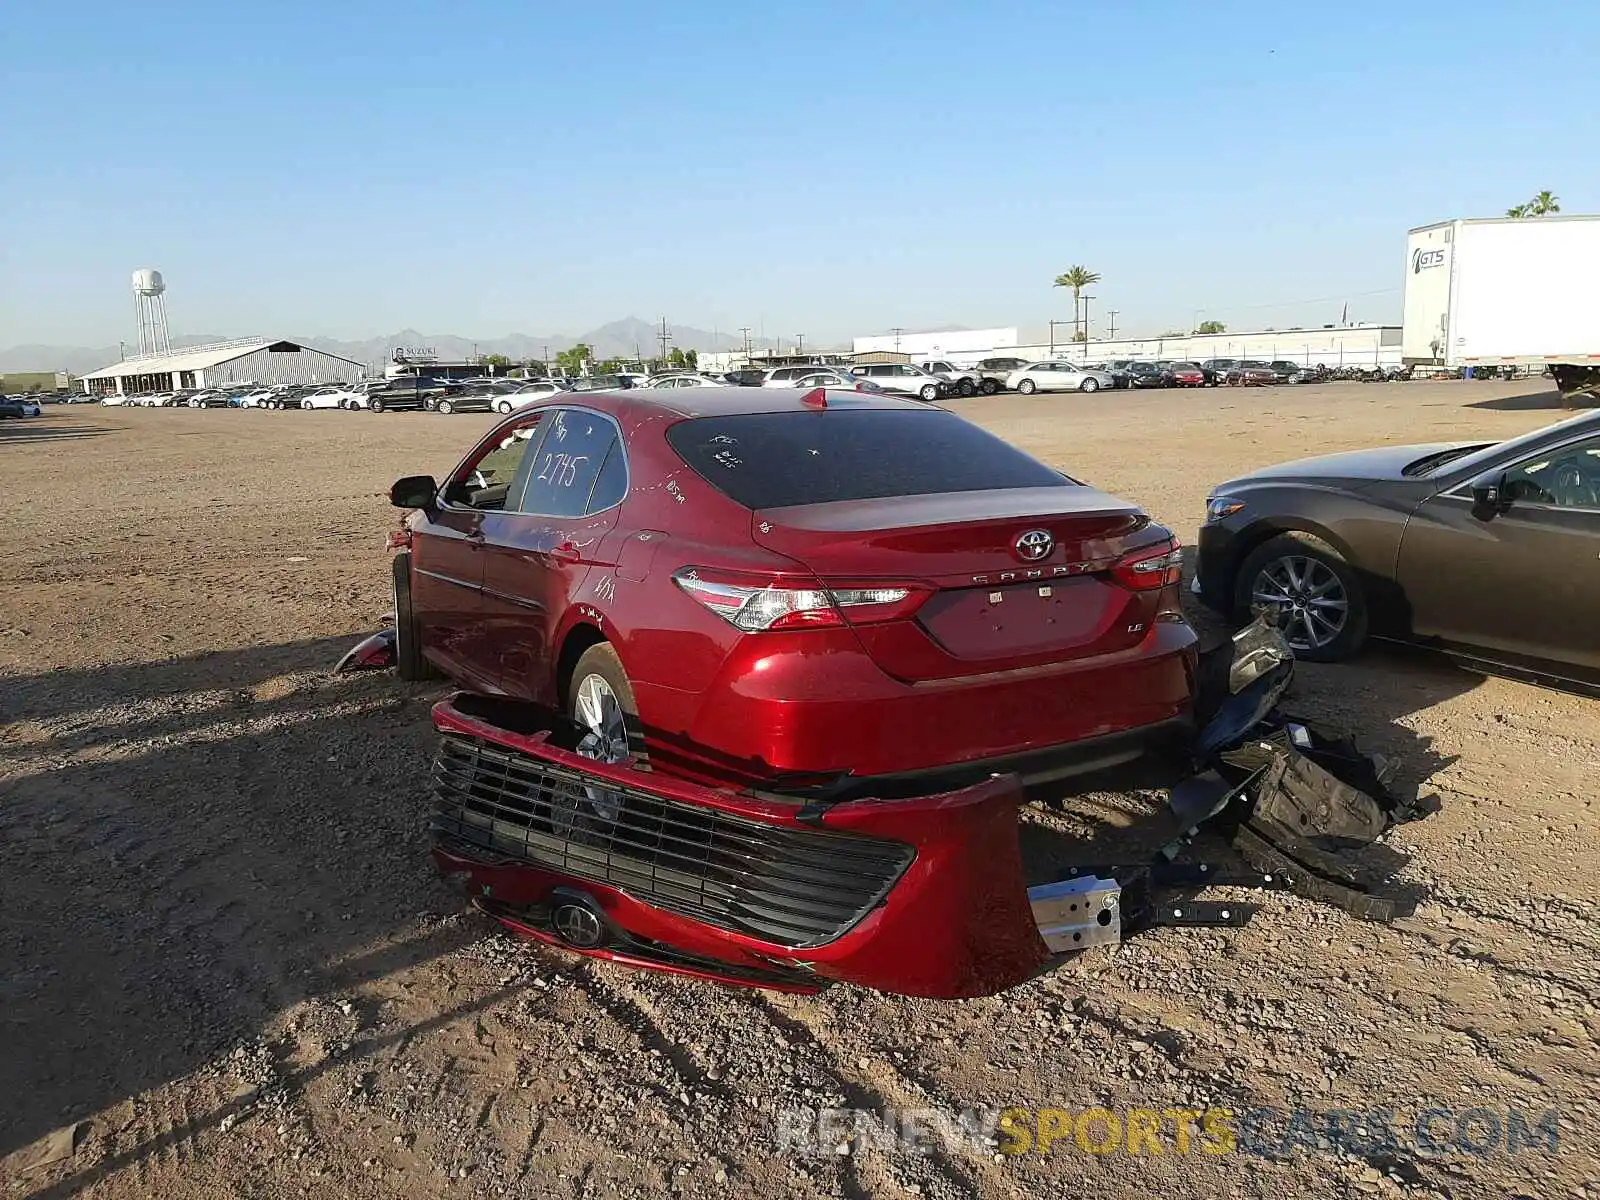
227 969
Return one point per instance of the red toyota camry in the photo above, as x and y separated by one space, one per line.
811 589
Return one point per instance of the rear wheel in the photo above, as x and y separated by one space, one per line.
375 405
502 407
989 387
408 658
965 387
929 392
1325 611
1027 387
600 703
445 407
1089 385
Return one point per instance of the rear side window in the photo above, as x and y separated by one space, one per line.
774 460
569 459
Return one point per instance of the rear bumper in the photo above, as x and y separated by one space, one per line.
811 712
948 913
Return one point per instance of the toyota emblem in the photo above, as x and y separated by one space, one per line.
1034 545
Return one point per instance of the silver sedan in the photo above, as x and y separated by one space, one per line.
1056 376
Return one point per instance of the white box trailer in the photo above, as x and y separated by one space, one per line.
1506 291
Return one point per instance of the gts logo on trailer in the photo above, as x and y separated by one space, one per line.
1422 259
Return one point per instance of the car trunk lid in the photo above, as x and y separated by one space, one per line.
989 605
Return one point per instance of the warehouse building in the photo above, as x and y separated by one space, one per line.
248 360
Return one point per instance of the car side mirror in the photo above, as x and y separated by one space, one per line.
1489 497
414 491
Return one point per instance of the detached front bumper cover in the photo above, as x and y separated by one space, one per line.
922 897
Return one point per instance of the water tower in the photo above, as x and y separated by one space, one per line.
150 309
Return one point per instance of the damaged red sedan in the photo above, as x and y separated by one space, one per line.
795 588
807 629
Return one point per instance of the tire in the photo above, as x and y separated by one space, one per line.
1300 566
375 404
989 387
306 406
408 658
599 672
445 407
1027 387
965 387
929 392
1089 385
503 407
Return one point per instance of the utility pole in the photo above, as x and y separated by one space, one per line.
663 337
745 329
1111 325
1053 325
897 331
799 343
1084 353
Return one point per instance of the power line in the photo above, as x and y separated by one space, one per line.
663 337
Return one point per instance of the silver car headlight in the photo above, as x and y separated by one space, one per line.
1221 507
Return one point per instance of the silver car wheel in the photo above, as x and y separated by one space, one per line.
605 737
1311 597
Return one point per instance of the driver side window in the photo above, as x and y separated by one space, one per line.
1566 477
485 482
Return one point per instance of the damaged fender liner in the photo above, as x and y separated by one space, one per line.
568 849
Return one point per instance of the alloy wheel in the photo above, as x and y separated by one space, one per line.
605 737
1309 594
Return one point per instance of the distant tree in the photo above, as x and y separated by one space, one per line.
1174 333
609 366
675 358
1077 278
498 361
1542 205
571 361
1080 336
1211 327
691 359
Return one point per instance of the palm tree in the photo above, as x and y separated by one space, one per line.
1543 204
1077 278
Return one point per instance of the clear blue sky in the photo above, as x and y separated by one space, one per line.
350 169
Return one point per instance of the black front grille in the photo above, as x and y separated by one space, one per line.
788 886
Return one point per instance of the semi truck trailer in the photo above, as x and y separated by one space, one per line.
1506 291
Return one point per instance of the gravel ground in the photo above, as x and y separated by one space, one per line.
226 969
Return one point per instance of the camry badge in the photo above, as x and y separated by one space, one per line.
1034 545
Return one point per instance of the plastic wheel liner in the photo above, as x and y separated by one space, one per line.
1295 802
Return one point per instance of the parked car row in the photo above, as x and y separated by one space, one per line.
929 380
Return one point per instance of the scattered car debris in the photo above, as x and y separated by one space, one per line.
1292 799
375 652
652 869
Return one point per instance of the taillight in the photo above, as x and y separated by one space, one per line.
759 605
1150 567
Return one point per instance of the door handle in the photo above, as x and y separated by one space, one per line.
565 552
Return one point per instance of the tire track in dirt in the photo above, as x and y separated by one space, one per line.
880 1088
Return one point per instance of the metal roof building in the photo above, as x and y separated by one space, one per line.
247 360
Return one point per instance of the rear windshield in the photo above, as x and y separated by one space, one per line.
774 460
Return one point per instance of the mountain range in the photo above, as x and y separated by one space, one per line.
625 338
